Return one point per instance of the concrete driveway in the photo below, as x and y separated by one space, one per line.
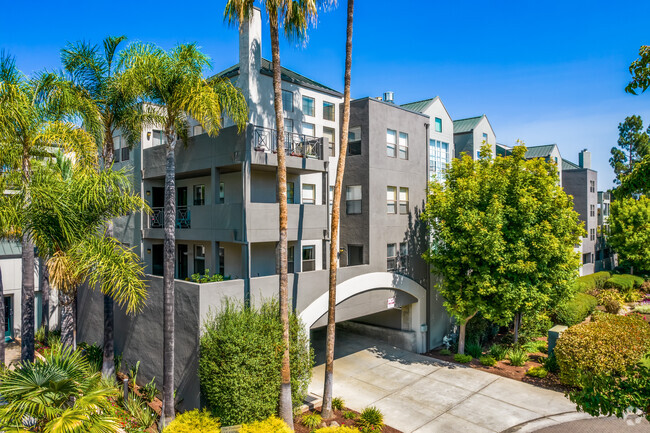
420 394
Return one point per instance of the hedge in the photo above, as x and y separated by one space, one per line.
575 310
592 281
240 359
624 282
608 344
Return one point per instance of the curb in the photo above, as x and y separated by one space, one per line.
547 421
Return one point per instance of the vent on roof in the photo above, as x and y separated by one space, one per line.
388 97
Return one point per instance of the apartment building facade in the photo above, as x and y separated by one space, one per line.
471 134
606 259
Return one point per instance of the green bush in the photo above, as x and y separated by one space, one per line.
194 422
311 421
474 349
240 360
272 424
611 299
537 372
341 429
371 418
480 330
517 357
575 310
609 344
534 326
338 403
591 282
463 359
94 354
643 309
550 364
140 412
348 414
488 361
624 282
535 346
498 352
445 352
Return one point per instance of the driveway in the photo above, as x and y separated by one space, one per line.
420 394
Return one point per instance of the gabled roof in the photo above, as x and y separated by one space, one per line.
568 165
10 249
287 75
539 151
466 125
419 106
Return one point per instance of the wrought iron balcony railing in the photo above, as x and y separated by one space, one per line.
183 218
301 145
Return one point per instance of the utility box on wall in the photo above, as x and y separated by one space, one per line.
553 334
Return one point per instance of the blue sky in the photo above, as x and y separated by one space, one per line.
550 72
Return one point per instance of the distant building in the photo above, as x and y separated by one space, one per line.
471 134
606 259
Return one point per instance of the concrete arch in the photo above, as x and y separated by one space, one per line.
372 281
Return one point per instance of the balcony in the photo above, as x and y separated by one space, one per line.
297 145
183 218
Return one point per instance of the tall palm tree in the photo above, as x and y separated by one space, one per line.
36 115
96 70
174 82
295 17
336 210
3 325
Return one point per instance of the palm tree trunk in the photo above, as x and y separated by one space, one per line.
327 412
3 325
45 297
66 303
27 301
108 363
286 412
168 282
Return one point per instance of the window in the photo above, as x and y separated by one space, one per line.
308 106
403 145
308 193
222 192
485 138
592 186
586 258
592 234
199 195
290 260
328 111
438 124
391 143
199 259
309 129
125 152
288 126
158 138
391 199
222 261
592 210
438 159
290 193
197 130
391 257
287 100
355 255
354 141
403 254
353 199
116 148
308 258
403 200
330 134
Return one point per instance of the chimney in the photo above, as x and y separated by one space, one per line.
388 97
250 57
584 159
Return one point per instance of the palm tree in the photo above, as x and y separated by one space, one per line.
295 16
58 395
3 325
336 209
174 82
65 219
35 115
96 71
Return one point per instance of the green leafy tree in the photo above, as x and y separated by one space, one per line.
633 145
629 236
640 70
173 81
503 233
637 181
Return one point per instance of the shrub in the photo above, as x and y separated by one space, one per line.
534 325
535 346
348 414
194 421
575 310
550 364
463 359
590 282
480 330
240 361
537 372
609 344
338 403
488 361
94 354
645 287
474 349
498 352
371 417
627 285
140 412
149 391
445 352
643 309
341 429
207 278
272 424
611 299
311 421
517 357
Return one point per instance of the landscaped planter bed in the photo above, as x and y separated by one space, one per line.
338 417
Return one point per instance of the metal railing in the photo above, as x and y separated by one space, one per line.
300 145
183 218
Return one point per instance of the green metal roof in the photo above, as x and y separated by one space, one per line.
568 165
419 106
539 151
466 125
9 248
287 75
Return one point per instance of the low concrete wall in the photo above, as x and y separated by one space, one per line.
403 339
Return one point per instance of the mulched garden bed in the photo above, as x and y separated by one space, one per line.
338 417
